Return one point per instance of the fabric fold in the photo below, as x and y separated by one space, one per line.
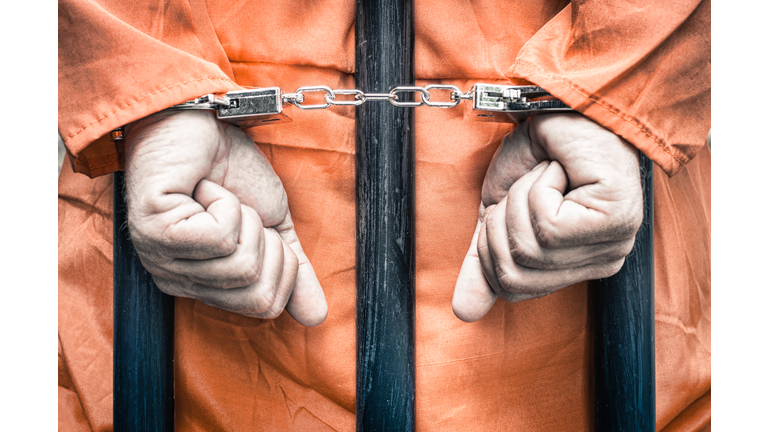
641 71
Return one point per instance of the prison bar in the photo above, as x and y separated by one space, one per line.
143 335
624 352
623 342
384 175
623 304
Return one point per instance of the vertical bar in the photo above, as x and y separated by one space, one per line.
625 398
385 220
143 336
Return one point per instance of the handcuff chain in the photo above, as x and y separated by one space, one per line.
361 97
257 106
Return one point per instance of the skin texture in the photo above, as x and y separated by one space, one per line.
209 219
561 203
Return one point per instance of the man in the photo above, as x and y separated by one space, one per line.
199 190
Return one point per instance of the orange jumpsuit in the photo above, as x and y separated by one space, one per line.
641 69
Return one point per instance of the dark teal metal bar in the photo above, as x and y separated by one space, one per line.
625 382
143 336
385 220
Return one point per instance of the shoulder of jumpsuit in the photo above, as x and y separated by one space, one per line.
644 74
122 61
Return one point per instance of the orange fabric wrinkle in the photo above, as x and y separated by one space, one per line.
214 52
633 88
98 120
696 417
71 415
525 366
107 86
85 302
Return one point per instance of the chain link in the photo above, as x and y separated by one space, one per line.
360 97
490 97
240 106
393 98
309 89
455 96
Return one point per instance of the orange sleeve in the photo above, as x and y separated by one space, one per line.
641 70
121 61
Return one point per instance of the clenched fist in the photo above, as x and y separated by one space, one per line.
561 203
209 219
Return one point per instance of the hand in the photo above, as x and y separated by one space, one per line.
561 203
209 219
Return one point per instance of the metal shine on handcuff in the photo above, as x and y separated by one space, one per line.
260 106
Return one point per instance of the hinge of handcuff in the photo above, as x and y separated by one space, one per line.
495 102
245 108
490 102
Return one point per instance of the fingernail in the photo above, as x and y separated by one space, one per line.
542 164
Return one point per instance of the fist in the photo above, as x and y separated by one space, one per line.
561 203
209 219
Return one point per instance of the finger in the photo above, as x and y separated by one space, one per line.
523 243
560 222
264 292
496 254
523 280
286 284
206 225
511 277
473 297
307 304
484 253
253 300
497 257
240 269
512 160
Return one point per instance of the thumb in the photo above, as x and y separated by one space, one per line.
473 297
307 304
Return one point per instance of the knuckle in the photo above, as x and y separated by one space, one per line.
143 203
510 282
249 272
545 231
619 252
636 220
625 249
521 254
152 268
153 264
630 221
142 234
616 266
611 269
226 245
163 286
491 222
629 225
637 209
261 303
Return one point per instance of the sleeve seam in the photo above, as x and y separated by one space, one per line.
99 120
607 106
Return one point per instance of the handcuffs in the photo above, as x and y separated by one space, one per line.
260 106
